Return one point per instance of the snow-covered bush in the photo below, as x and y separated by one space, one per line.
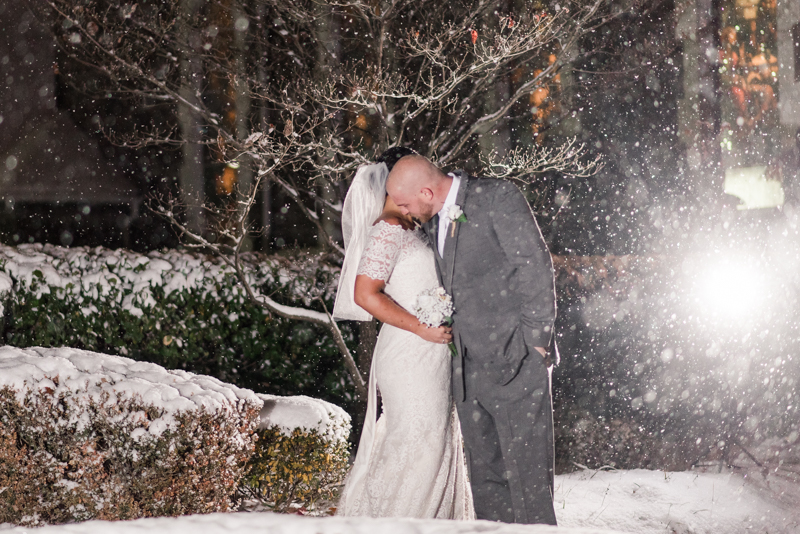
176 309
301 455
86 435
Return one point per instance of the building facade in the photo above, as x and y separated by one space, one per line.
739 117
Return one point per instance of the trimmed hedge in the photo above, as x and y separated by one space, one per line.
302 455
178 310
300 471
89 436
185 311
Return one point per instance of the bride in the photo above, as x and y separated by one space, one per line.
410 460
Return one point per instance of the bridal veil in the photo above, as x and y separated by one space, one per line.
362 205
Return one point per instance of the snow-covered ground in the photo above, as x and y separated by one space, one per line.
694 502
587 502
267 523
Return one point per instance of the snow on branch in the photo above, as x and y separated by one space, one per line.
568 159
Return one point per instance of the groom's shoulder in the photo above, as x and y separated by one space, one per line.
491 186
481 184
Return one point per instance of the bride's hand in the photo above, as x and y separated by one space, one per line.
439 335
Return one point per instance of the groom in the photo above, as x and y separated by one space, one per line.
493 261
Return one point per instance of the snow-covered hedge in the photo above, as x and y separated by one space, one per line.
85 435
176 309
301 455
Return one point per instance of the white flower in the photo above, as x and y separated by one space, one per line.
426 302
436 317
433 307
454 212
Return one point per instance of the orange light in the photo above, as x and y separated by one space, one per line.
226 181
538 96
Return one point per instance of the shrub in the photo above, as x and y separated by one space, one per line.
89 436
585 440
178 310
301 456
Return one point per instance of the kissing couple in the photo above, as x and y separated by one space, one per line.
479 242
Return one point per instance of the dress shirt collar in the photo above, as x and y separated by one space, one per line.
443 220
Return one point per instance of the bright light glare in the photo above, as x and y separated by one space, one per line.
731 290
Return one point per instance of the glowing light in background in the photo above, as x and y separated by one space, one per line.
753 188
731 290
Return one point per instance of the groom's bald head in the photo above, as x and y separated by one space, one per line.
418 187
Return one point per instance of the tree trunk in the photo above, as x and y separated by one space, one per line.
367 337
498 138
327 52
709 180
191 179
245 171
264 114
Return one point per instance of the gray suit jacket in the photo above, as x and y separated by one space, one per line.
499 272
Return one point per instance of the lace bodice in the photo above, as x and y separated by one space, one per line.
402 259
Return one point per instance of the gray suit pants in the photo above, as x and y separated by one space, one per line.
508 438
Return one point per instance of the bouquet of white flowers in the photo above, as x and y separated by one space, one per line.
434 308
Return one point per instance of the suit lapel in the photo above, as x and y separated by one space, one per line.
451 239
432 230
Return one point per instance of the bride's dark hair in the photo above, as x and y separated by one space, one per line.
392 155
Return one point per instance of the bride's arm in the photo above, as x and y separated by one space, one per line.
369 295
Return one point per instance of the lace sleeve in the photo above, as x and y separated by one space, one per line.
382 250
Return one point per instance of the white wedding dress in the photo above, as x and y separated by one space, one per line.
410 463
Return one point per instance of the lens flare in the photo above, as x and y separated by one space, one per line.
731 290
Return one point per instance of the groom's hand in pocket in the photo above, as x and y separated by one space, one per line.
547 356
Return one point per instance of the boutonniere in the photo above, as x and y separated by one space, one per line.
456 215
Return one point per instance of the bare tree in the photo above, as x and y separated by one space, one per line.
435 76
